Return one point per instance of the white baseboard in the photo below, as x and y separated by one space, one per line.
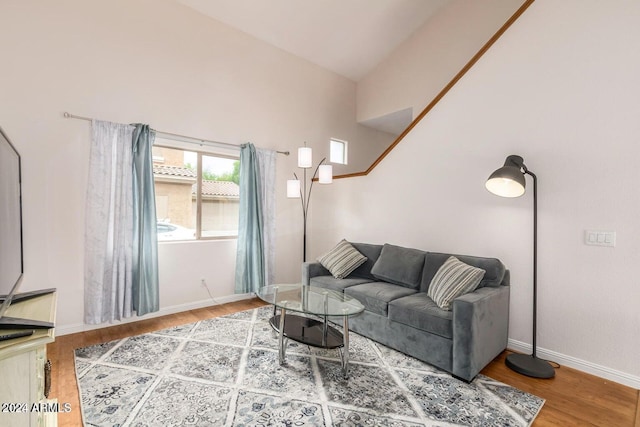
81 327
579 364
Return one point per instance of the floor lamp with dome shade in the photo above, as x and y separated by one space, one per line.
509 181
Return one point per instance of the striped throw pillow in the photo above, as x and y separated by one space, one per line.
453 278
342 259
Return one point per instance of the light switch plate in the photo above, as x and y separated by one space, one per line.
599 238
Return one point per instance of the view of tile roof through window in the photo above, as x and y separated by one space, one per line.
174 171
209 188
219 188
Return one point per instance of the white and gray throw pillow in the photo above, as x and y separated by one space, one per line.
453 278
342 260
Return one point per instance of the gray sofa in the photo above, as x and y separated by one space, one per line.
392 285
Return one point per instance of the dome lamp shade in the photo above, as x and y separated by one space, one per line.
508 181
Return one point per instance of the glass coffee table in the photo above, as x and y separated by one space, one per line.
303 317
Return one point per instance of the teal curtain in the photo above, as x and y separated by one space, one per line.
145 288
250 265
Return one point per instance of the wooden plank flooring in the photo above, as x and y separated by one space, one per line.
572 398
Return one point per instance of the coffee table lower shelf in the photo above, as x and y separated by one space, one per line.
312 332
308 331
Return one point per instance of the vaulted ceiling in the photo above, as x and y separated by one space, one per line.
349 37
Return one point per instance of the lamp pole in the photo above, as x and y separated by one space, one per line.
535 256
295 189
305 198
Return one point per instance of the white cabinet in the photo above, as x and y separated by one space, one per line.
22 368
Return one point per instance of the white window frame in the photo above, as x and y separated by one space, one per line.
200 151
345 145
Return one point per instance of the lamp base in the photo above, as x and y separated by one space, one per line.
530 366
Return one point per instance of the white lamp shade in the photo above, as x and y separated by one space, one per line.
325 174
293 188
304 157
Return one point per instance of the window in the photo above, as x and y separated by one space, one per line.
197 194
338 151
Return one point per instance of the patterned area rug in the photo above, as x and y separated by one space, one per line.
225 372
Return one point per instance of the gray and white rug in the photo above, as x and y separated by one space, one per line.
225 372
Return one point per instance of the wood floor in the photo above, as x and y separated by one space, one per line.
572 398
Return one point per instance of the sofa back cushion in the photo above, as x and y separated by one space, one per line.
494 269
400 266
372 252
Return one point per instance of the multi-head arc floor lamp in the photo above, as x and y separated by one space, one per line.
296 189
509 181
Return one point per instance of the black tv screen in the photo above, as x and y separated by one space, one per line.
11 264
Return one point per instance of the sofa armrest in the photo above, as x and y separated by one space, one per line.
480 329
312 269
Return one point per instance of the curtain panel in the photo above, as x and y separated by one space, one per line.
256 230
145 286
108 229
120 239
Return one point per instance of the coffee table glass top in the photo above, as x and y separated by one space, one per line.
310 300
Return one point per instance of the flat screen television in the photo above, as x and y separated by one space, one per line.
11 249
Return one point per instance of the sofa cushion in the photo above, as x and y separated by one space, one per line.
372 252
400 266
330 282
342 259
375 296
453 278
493 276
421 312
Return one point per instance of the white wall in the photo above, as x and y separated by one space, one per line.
427 61
561 89
156 62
